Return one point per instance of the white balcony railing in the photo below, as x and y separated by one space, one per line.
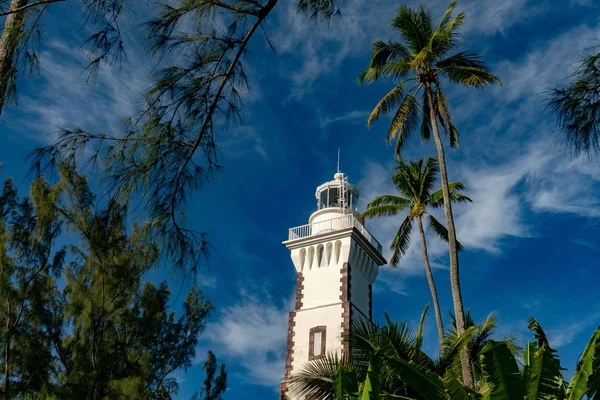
335 224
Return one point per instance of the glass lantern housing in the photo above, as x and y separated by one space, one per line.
337 194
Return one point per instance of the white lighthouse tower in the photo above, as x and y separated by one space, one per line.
337 261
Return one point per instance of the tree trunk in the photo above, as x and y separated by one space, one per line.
436 304
465 357
9 41
7 351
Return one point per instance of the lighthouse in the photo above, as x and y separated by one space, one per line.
336 260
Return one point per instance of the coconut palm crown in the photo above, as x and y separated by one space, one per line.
415 182
419 63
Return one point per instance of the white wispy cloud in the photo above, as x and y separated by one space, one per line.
242 140
63 97
542 181
356 116
568 331
254 333
321 49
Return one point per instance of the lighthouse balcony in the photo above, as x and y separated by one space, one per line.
348 221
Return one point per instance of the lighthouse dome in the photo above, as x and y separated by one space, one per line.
334 198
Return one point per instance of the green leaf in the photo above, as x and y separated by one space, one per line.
385 205
401 241
501 372
440 230
345 383
456 390
543 378
404 122
372 386
467 69
426 383
578 386
437 198
389 102
419 335
529 353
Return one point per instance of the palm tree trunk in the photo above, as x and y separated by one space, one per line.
436 304
465 357
8 45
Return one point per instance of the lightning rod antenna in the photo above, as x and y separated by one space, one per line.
338 169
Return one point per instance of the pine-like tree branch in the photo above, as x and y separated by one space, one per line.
38 3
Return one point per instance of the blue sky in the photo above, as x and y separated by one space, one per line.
531 245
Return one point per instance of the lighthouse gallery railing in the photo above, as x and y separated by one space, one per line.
335 224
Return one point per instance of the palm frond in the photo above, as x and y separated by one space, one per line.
450 352
388 103
401 242
385 205
444 116
467 69
439 229
436 199
445 37
382 211
396 69
315 379
389 59
415 26
405 181
405 120
428 178
419 335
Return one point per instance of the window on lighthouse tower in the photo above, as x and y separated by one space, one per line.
316 343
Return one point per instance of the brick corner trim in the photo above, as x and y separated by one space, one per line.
299 290
289 356
346 306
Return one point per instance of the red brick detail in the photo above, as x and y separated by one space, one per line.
283 390
371 302
346 307
289 356
299 290
311 342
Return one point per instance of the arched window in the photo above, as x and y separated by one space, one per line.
311 256
320 249
338 250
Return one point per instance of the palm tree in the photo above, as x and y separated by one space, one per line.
481 334
421 60
575 105
415 183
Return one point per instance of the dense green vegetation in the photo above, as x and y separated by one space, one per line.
78 320
386 362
